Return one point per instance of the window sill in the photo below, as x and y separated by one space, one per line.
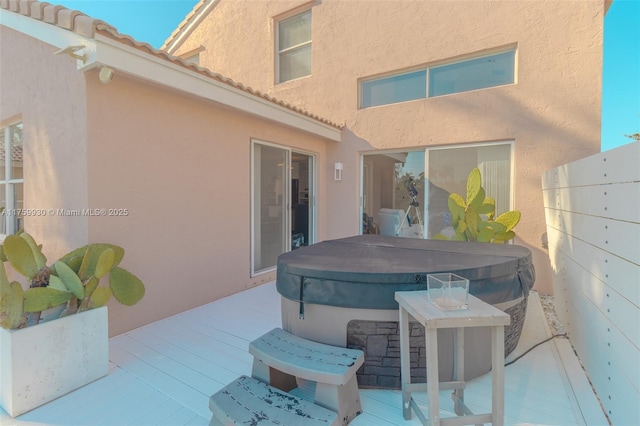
280 84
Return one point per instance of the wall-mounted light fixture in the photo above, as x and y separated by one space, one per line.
337 171
106 74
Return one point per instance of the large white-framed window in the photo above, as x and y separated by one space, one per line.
405 193
293 45
462 75
11 178
283 202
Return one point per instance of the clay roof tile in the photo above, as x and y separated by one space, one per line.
78 22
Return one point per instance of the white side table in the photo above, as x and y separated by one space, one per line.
478 314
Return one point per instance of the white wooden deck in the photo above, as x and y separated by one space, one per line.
164 373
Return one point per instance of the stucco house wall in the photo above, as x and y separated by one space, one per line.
170 168
181 168
552 112
47 94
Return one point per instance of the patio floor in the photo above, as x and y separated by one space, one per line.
164 373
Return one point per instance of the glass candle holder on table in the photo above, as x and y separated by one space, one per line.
448 291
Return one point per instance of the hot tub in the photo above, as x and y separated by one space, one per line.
341 292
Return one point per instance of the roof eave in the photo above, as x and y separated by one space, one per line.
44 31
151 68
97 50
188 24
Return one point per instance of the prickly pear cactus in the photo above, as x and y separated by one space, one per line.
467 215
74 280
11 305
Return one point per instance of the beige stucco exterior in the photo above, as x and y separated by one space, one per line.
170 169
552 112
181 167
48 96
171 145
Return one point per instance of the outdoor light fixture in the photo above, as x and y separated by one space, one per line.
106 74
337 171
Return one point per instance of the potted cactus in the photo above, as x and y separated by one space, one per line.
54 334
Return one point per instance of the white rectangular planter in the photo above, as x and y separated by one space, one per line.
41 363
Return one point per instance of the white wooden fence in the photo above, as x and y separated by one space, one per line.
592 209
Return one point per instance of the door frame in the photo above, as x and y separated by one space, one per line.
426 150
313 185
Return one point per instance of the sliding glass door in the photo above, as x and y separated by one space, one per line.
302 200
282 203
448 169
405 193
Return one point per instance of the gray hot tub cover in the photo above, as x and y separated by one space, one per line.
365 271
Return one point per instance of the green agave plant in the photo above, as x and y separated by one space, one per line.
467 215
74 280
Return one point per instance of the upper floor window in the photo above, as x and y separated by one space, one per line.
473 74
294 47
394 89
11 179
492 70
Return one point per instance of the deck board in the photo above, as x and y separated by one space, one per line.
164 373
200 344
204 356
164 382
154 357
205 328
165 408
104 388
